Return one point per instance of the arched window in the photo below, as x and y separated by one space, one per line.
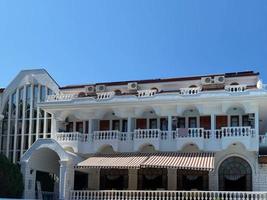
234 83
192 86
235 174
118 92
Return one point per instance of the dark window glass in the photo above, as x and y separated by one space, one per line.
115 125
192 122
79 127
152 123
234 121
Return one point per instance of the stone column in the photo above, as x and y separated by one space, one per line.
172 179
28 180
94 179
63 179
169 125
129 124
132 179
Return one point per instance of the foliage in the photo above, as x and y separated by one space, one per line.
11 181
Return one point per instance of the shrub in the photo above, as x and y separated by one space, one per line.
11 181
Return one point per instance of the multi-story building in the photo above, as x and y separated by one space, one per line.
120 140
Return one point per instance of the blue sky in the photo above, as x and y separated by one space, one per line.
85 41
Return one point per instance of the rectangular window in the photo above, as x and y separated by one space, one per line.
221 121
79 127
69 127
104 125
192 122
205 122
141 124
116 125
180 122
234 121
163 124
125 125
153 124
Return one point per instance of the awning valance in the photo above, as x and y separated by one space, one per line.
191 161
121 161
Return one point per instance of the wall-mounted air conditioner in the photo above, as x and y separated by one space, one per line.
90 89
207 80
219 79
100 88
132 86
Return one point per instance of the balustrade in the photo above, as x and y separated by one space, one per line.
146 93
106 135
146 133
60 97
235 88
164 195
190 91
237 131
71 136
105 95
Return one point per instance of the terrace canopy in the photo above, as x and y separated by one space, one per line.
203 161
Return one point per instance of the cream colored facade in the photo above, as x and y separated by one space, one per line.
51 129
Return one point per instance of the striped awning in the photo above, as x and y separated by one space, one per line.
121 161
192 161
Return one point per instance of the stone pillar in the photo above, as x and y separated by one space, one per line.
169 125
66 179
28 180
172 179
129 124
213 125
94 179
132 179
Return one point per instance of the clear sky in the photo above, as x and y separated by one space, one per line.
85 41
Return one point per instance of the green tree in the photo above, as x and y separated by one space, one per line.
11 181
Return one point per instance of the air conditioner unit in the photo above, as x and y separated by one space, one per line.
90 89
100 88
207 80
219 79
132 86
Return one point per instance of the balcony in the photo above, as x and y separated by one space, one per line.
208 140
165 195
190 91
235 88
72 139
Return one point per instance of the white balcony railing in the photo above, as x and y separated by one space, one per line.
105 95
71 136
190 91
146 133
146 93
235 88
237 131
190 132
106 135
166 195
60 97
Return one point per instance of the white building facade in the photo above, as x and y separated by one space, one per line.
138 139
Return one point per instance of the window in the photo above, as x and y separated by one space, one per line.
234 121
115 124
79 127
181 122
192 122
152 123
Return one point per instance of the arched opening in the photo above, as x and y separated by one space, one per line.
106 149
117 92
81 94
45 166
191 148
234 83
235 174
192 86
147 148
156 89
